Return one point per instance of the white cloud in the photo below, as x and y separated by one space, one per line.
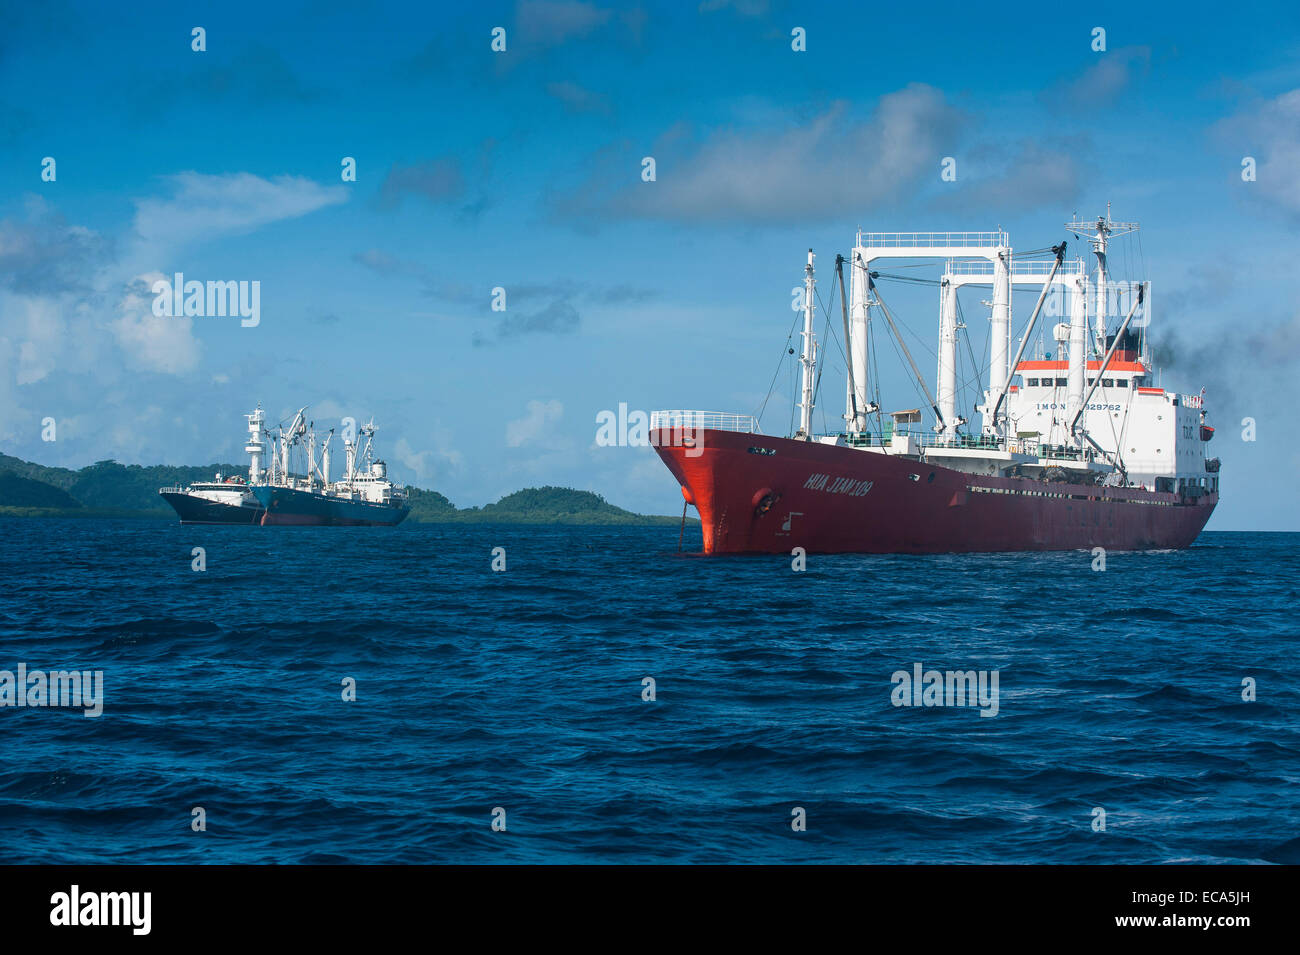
429 466
419 462
809 169
151 342
1270 133
1102 83
57 278
578 99
208 206
41 332
746 8
551 22
1009 176
535 424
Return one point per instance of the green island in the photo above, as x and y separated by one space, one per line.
107 489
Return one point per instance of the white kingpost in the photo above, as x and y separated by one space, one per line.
809 357
848 402
947 383
311 459
859 321
1101 296
1078 344
1000 345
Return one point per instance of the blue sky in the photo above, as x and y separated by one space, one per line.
522 170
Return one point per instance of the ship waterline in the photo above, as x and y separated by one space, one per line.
193 507
291 506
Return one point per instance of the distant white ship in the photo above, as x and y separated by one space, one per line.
363 496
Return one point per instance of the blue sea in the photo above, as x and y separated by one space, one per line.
518 696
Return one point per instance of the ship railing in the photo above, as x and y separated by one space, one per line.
172 489
983 442
932 240
1024 267
697 420
919 439
932 439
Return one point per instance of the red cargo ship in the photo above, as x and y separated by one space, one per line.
1077 453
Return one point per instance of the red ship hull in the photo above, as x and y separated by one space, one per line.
757 494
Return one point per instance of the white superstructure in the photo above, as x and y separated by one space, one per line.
365 477
1088 411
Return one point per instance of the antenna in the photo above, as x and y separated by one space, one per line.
1098 233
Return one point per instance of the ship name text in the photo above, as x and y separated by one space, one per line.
837 485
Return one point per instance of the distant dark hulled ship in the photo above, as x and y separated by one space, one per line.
364 496
228 501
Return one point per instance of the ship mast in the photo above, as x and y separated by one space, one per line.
311 456
368 432
947 376
284 454
297 429
856 405
325 459
809 357
1000 342
1099 234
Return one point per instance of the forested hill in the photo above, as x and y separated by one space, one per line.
109 489
534 505
104 485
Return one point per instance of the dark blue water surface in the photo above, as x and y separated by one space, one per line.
523 690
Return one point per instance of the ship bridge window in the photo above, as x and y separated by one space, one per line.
1091 382
1121 382
1061 382
1108 382
1031 382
